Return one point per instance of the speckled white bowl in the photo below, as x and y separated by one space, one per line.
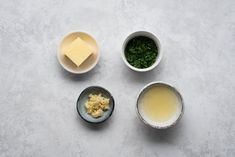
163 125
146 34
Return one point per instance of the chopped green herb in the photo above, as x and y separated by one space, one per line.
141 52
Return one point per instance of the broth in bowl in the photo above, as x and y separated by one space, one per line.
159 105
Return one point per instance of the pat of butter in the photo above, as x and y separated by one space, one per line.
78 51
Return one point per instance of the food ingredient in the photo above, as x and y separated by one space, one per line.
96 105
78 51
141 52
160 104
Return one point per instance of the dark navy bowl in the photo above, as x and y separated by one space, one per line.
83 97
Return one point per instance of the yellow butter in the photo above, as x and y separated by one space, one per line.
78 51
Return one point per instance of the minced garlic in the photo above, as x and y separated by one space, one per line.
96 105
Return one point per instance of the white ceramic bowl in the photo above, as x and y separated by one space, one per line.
88 64
160 125
146 34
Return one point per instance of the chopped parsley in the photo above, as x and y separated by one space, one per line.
141 52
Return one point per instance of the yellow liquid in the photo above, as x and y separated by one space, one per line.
160 104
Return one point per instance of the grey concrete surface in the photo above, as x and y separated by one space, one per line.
37 97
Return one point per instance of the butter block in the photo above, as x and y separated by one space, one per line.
78 51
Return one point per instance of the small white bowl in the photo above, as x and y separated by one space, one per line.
88 64
146 34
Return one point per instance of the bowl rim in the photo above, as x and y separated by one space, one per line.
146 34
111 112
68 69
175 90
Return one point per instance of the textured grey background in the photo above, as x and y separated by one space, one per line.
37 97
